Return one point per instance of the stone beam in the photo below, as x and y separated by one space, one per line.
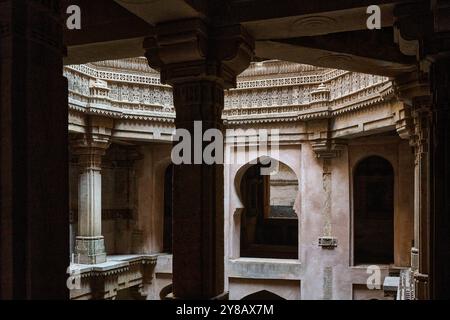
100 51
108 31
244 11
331 58
378 55
159 11
371 44
314 24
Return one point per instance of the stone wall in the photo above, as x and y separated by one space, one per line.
327 273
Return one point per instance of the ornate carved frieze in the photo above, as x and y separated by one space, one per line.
267 92
298 97
119 95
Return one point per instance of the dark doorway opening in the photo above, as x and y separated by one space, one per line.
374 211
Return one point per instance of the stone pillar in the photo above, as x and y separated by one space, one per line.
326 149
422 117
34 215
90 245
440 181
199 62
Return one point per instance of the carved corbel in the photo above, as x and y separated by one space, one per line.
409 89
327 148
412 24
404 121
421 114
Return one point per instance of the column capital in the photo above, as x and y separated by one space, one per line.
96 140
187 50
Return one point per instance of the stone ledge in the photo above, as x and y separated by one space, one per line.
259 268
104 280
113 264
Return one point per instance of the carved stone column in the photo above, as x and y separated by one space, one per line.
413 124
199 61
422 117
34 215
90 246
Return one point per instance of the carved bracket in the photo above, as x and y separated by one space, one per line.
327 148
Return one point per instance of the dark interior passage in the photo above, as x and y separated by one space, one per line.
374 211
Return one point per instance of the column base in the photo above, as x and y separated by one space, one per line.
421 282
90 250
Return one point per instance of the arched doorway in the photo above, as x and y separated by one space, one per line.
167 231
373 198
269 224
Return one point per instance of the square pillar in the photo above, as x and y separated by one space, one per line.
199 61
34 215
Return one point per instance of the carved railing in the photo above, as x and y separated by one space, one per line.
119 89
